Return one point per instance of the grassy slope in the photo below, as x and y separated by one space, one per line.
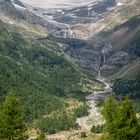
95 137
129 71
41 77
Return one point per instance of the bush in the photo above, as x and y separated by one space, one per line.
41 136
97 129
81 111
83 135
56 123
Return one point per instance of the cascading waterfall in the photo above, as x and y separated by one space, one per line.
104 55
65 35
102 60
68 33
89 8
116 2
71 35
99 72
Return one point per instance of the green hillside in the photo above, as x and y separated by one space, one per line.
39 76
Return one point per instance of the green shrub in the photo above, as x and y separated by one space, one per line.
83 135
81 111
97 129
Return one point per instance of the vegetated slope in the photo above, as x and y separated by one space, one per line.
37 75
124 53
129 87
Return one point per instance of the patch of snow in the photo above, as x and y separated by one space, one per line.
90 5
59 10
18 7
119 4
90 8
50 17
11 22
77 10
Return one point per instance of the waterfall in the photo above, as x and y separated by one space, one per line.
71 35
65 35
99 73
104 55
104 58
116 2
89 8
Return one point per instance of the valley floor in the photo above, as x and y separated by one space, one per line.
86 123
95 116
74 135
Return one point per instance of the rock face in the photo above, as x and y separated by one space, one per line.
111 2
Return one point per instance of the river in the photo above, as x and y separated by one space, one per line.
95 117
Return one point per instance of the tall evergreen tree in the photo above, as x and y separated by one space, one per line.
12 126
127 124
121 121
110 114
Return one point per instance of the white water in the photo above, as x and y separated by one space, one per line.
71 35
118 3
104 51
99 73
104 57
17 6
95 117
89 9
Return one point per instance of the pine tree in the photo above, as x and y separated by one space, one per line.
121 121
110 111
127 124
12 126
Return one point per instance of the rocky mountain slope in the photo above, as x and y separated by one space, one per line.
114 48
120 38
106 26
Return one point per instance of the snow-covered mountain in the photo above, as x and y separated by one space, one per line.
58 3
68 13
